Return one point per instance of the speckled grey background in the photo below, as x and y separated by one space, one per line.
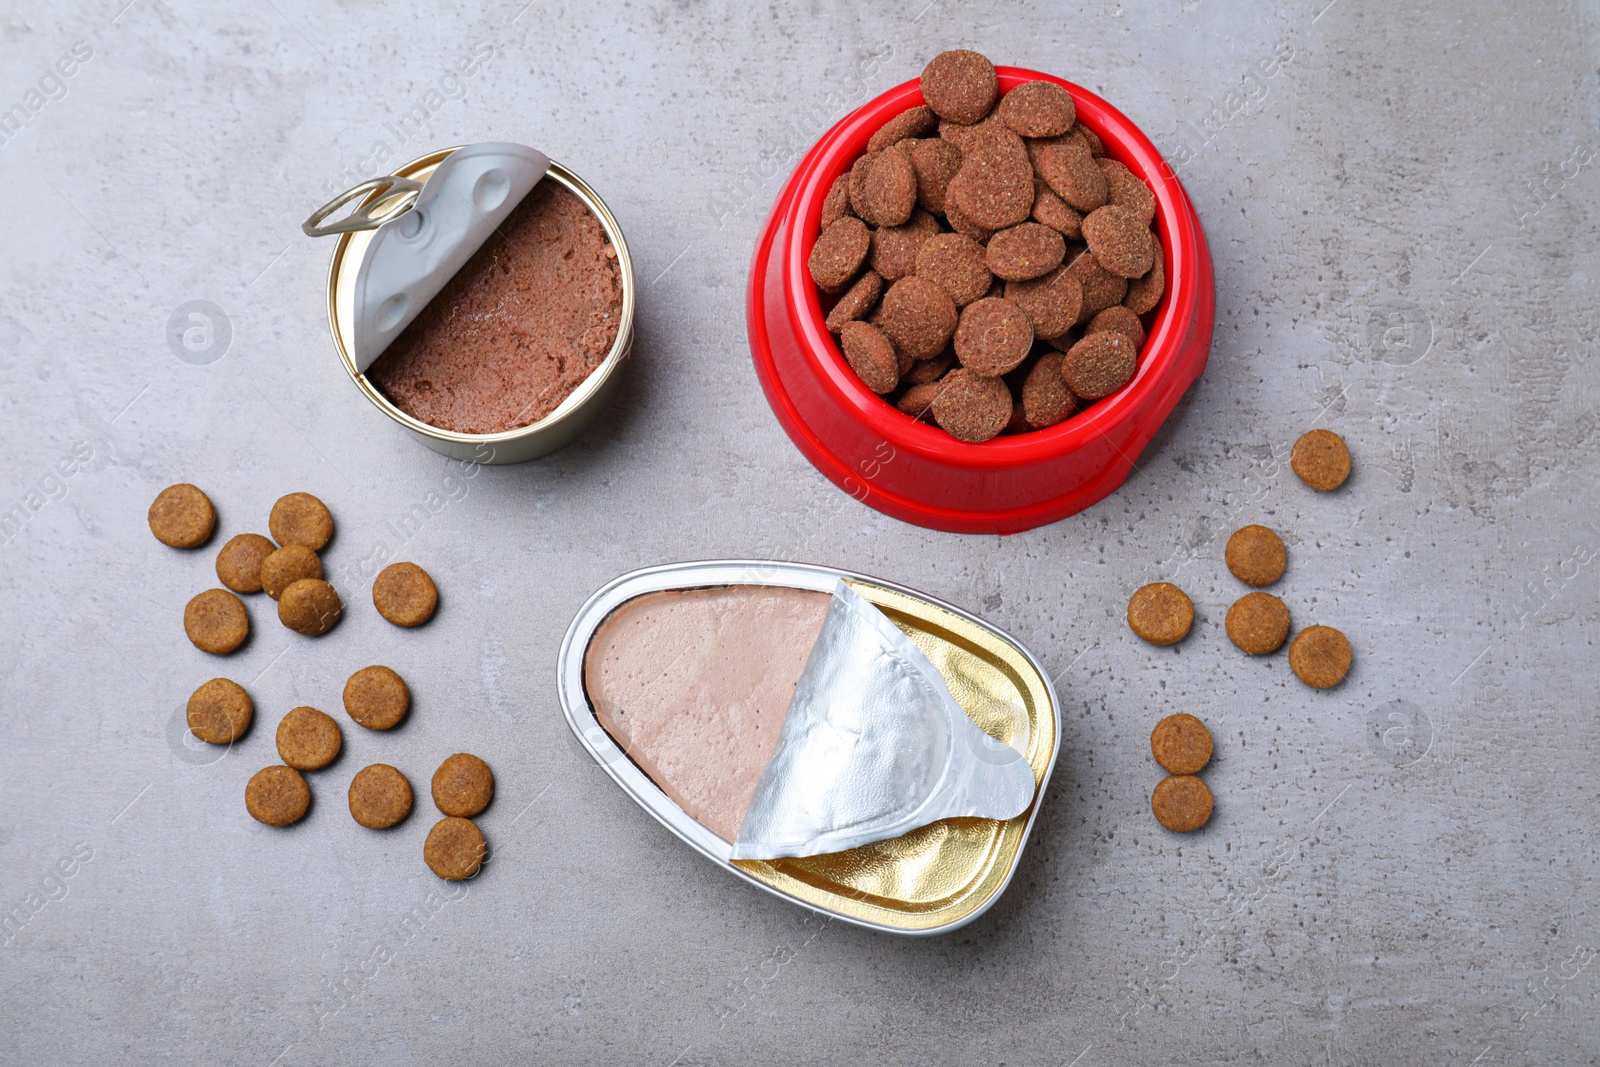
1401 205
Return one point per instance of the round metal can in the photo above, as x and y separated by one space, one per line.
539 438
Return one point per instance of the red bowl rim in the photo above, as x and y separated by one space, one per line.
845 142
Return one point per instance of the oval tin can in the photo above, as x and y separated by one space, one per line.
932 880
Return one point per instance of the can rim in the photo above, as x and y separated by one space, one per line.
574 404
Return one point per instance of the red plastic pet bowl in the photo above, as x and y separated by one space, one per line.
916 472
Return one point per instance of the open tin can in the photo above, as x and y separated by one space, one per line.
570 418
932 880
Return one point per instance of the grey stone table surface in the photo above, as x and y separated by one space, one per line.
1401 203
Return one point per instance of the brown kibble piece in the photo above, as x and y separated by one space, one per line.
888 189
1070 171
277 796
1320 656
1181 744
1161 613
919 317
1119 241
310 606
286 566
1321 459
1026 251
918 400
377 698
380 796
1055 212
1145 293
1046 400
960 85
858 185
972 407
220 712
839 253
935 161
836 205
181 516
1052 303
924 371
404 594
994 336
1125 190
1258 623
1101 288
301 519
913 122
239 562
871 355
455 848
1181 803
857 302
895 248
1118 319
1038 109
463 785
1256 555
1099 365
308 740
1096 147
956 264
216 622
993 188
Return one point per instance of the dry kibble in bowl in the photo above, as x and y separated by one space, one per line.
839 253
919 317
993 337
972 407
974 196
1099 365
871 355
960 86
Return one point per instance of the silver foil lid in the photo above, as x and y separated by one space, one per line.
873 746
420 247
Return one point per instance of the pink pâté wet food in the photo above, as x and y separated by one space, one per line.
984 246
531 315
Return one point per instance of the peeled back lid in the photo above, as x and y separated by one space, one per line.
413 254
873 746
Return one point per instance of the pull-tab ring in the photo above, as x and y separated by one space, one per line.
403 191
